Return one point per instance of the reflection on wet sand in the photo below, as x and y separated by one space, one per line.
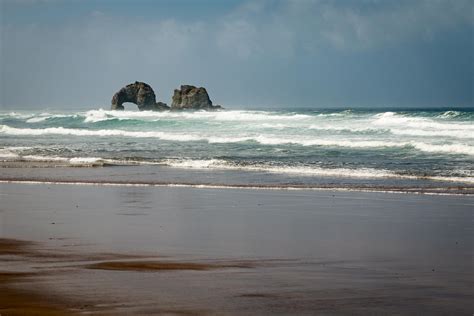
234 252
15 299
20 296
164 266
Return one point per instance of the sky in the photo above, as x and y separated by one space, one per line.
70 54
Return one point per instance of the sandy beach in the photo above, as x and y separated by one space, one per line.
244 157
117 250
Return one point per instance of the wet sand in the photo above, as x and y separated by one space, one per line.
156 175
20 301
112 250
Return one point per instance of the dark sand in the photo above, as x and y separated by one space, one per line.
111 250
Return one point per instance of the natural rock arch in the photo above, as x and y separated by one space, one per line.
139 93
186 98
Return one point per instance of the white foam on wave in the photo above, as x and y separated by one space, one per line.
196 163
6 154
219 164
258 116
95 116
305 170
444 148
46 116
394 120
15 153
451 179
390 122
433 133
19 115
86 161
274 125
75 161
43 158
103 132
262 139
344 113
346 127
449 114
229 115
353 143
12 152
37 119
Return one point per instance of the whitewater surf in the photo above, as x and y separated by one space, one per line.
295 147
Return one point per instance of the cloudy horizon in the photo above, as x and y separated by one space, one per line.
319 54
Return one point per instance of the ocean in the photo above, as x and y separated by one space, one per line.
380 149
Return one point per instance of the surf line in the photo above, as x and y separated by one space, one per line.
420 191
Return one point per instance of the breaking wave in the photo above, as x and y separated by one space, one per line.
220 164
459 148
431 144
307 170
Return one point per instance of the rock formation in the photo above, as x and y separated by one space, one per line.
186 98
192 98
139 93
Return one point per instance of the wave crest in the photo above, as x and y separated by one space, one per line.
458 148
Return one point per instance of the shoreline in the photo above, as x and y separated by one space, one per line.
450 191
39 162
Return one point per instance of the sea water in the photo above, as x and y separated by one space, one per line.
428 144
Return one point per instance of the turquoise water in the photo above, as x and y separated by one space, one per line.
436 145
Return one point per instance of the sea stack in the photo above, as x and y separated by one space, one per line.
192 98
139 93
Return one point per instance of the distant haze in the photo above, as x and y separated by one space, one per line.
293 54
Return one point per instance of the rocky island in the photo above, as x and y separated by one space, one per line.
139 93
192 98
186 98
